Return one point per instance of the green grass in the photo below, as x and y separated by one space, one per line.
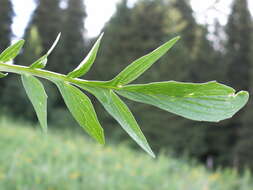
64 161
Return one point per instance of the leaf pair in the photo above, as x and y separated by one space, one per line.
77 102
121 113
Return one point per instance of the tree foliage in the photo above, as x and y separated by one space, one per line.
6 18
239 73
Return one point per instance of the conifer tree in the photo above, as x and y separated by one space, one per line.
6 16
47 18
33 46
116 47
239 45
188 33
239 74
72 45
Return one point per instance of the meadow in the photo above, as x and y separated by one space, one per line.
64 160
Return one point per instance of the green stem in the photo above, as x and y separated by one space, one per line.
52 76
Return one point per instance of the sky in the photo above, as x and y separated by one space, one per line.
100 11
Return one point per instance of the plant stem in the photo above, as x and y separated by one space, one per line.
52 76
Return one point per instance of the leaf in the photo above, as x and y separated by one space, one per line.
135 69
82 110
121 113
202 102
86 64
11 52
42 61
38 97
2 75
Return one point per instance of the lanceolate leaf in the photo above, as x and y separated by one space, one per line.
42 61
86 64
11 52
135 69
38 97
121 113
2 75
202 102
82 110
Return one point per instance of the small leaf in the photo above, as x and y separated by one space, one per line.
42 61
2 75
11 52
121 113
86 64
82 110
202 102
135 69
38 97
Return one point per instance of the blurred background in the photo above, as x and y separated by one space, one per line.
216 44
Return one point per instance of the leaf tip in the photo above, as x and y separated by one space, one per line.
100 37
101 137
44 130
244 95
22 41
2 75
54 44
177 38
148 149
152 154
102 140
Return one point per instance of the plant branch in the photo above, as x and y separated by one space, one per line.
52 76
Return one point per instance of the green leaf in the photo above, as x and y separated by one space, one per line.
11 52
121 113
135 69
82 110
2 75
202 102
38 97
86 64
42 61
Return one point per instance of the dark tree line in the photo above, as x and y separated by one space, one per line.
129 34
6 15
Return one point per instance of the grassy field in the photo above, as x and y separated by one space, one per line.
64 161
